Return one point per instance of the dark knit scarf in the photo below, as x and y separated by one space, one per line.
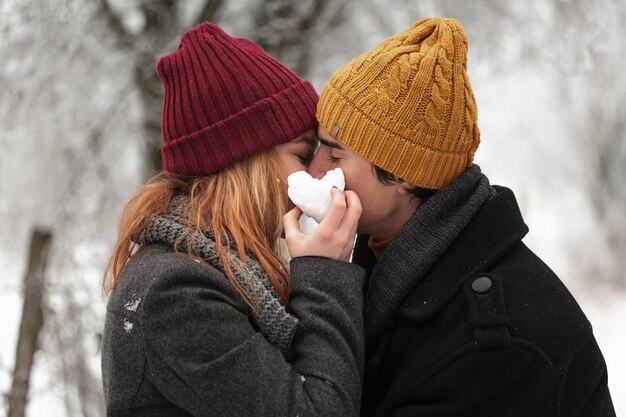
274 322
424 238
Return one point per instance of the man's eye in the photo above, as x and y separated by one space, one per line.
332 159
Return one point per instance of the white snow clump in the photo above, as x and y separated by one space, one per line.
313 195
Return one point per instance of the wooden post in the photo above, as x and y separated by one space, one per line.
32 321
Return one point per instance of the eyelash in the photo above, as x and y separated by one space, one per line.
304 160
333 159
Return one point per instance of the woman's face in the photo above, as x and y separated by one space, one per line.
297 154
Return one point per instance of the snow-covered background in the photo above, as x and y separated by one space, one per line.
79 114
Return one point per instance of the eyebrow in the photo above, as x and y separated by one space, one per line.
331 144
305 140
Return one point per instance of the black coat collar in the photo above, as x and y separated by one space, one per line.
496 226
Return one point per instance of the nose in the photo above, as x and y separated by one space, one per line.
317 168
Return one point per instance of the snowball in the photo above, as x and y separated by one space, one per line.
313 195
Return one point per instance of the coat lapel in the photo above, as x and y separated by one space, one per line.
495 228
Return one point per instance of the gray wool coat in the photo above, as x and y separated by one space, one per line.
178 341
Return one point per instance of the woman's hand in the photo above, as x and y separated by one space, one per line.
334 236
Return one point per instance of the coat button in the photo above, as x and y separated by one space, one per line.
482 285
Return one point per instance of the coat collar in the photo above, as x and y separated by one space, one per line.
494 229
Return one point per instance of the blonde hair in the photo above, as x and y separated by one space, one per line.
243 205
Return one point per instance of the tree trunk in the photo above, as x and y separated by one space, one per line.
32 322
284 28
162 26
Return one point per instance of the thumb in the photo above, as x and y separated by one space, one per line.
290 221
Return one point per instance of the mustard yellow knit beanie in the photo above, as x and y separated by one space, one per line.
407 105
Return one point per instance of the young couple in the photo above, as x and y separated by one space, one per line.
443 311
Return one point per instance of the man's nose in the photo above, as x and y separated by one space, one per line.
316 167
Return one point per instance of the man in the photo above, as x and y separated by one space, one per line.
461 318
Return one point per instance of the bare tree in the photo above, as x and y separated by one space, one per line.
286 28
163 20
32 322
68 104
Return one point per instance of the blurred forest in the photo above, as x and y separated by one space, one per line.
80 131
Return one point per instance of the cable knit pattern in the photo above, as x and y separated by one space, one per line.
424 238
406 105
442 83
276 324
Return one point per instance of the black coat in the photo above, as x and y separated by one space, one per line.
489 331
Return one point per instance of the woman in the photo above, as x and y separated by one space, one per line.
197 322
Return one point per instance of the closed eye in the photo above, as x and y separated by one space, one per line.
305 160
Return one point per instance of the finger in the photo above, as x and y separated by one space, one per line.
335 212
353 211
290 221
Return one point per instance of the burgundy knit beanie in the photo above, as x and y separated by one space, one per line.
226 99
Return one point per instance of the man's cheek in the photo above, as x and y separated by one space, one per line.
348 183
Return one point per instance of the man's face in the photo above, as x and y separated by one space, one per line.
379 201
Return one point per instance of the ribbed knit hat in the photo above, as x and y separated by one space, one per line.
407 105
226 99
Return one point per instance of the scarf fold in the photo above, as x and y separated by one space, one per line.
420 243
272 318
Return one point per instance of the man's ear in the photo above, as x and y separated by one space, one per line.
404 188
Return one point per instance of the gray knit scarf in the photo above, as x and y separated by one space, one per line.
274 322
424 238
